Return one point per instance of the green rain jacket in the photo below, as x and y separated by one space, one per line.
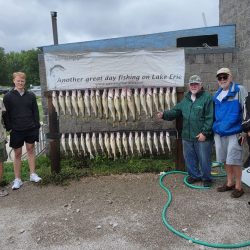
198 116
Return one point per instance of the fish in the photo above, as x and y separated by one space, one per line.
63 143
61 101
55 102
162 142
174 96
138 143
107 144
74 102
100 139
93 140
119 142
83 145
76 142
68 102
168 141
131 103
80 102
125 143
137 101
87 101
98 100
113 145
161 99
167 98
70 142
149 142
117 104
124 103
88 144
105 103
143 143
93 102
111 103
156 144
156 99
149 101
143 100
131 142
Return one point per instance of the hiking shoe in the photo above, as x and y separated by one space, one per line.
35 178
207 183
237 193
192 180
17 184
3 193
225 188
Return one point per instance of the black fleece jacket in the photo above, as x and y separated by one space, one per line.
21 111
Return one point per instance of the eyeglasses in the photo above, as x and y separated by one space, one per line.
222 77
194 83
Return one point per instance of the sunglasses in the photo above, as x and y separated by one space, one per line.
222 77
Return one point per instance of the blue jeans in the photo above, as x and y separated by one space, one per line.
197 157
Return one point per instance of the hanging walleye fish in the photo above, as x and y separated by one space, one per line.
111 103
168 141
162 142
125 143
68 102
143 143
88 144
137 101
87 101
80 102
168 99
83 145
76 142
174 96
70 142
143 100
74 102
105 103
149 100
131 142
61 101
138 143
93 140
98 103
156 99
55 102
124 103
113 146
107 144
100 139
149 142
63 143
119 142
93 102
117 104
161 99
156 143
131 103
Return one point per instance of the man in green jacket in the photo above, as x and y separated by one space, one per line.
196 109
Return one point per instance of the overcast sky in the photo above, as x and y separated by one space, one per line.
26 24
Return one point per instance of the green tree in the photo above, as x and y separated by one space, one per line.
3 68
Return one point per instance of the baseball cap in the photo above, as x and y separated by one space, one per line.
224 71
195 79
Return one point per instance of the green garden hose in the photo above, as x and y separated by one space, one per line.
172 229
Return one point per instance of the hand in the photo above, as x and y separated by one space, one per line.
159 115
201 137
248 133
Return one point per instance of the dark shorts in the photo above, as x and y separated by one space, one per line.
17 138
3 152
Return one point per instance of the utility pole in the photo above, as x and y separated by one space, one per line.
54 26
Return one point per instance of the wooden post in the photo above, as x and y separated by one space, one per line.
179 160
53 137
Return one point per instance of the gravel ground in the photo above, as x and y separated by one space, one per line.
120 212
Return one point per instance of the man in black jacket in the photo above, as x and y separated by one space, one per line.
22 120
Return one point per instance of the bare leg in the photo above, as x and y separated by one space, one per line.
31 156
17 162
230 175
237 173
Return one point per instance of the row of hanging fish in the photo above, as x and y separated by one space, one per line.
116 144
116 104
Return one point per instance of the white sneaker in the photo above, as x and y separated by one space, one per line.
17 183
35 178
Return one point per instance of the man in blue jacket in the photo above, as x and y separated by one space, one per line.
229 101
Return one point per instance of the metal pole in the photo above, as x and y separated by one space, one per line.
54 26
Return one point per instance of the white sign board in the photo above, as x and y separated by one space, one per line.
115 69
246 176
